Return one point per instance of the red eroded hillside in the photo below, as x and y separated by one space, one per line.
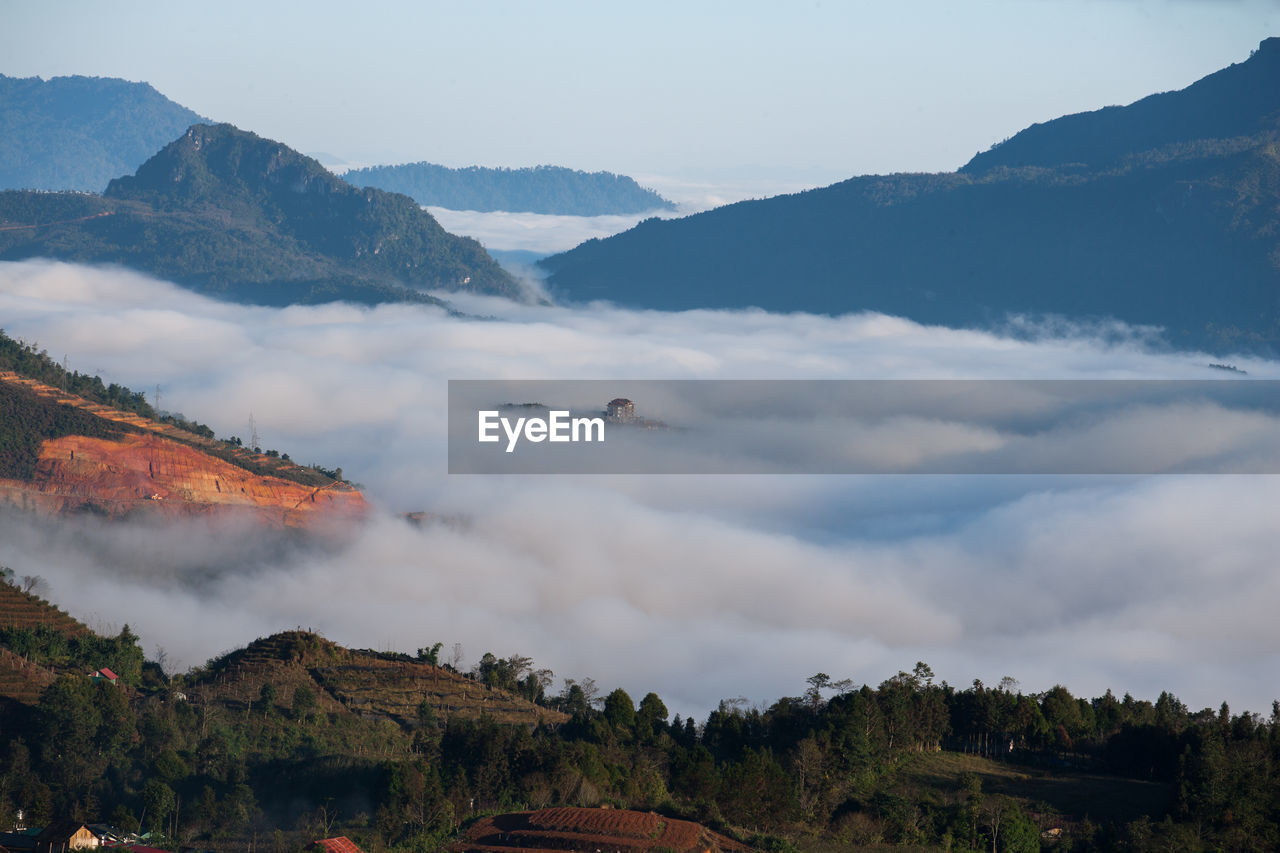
151 475
68 454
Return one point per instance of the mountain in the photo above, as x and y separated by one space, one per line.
1183 233
65 453
541 189
236 216
1240 100
77 133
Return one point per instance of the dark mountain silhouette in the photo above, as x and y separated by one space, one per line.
542 189
1240 100
1183 233
232 214
77 133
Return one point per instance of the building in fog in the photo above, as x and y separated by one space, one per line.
620 410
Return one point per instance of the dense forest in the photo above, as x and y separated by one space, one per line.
1067 221
235 216
540 189
77 133
912 761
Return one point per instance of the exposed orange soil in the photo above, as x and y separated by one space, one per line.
147 474
153 474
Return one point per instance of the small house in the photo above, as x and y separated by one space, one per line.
103 674
63 835
340 844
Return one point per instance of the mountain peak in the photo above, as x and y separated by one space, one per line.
293 202
220 163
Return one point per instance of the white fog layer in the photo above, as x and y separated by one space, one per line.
696 588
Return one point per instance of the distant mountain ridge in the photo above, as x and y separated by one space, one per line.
77 133
1184 233
1240 100
539 189
233 215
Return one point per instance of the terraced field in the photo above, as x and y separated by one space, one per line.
21 680
591 831
20 609
364 683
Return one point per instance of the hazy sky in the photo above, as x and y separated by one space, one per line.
810 91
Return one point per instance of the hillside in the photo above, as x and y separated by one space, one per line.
39 642
293 737
68 453
1185 235
591 830
366 684
236 216
77 133
541 189
1240 100
25 610
21 678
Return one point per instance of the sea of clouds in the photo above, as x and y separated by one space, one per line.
698 588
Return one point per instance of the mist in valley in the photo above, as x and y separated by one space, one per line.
698 588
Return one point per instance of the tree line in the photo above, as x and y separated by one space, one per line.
837 763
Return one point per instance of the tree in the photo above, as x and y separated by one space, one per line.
817 683
304 702
620 711
157 800
84 727
431 655
651 716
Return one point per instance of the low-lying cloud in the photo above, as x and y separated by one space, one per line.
695 587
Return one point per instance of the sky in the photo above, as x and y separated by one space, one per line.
697 588
778 95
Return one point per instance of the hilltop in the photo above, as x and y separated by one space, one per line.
77 133
235 216
1183 233
369 685
541 189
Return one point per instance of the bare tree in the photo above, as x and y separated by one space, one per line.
592 692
